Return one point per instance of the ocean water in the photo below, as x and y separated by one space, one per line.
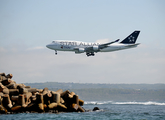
109 110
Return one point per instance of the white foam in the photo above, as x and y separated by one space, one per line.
140 103
98 102
123 103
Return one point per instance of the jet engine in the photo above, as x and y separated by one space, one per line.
95 48
80 50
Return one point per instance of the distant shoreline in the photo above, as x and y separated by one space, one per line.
109 92
57 85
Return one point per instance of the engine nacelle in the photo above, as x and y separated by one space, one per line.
95 48
80 50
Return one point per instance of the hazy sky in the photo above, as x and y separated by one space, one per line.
27 26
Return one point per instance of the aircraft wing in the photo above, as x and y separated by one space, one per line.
101 46
106 44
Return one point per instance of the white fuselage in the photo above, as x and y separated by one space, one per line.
91 48
65 45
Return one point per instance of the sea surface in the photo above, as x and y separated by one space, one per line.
109 110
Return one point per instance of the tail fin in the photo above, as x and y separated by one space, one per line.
131 38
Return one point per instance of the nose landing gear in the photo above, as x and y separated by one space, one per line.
55 52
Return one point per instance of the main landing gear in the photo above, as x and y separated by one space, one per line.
55 52
90 54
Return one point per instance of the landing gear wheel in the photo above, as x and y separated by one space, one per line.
90 54
55 52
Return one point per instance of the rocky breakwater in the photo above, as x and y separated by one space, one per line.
18 98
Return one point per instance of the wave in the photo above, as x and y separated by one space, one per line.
97 102
140 103
122 103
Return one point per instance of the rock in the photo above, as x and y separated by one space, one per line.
6 81
9 76
2 76
13 92
55 97
16 108
14 98
62 107
40 101
7 102
3 110
81 102
74 107
19 98
1 94
11 85
5 91
81 109
75 99
53 105
59 91
95 108
23 90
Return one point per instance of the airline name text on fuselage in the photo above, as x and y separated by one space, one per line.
76 43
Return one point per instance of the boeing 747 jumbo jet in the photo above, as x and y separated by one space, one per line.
91 48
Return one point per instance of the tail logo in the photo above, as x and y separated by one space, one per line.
131 39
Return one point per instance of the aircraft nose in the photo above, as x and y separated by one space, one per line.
50 46
47 46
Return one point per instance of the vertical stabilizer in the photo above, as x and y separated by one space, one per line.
131 39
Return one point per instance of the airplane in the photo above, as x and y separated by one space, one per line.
91 48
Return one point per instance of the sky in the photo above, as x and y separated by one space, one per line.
26 27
